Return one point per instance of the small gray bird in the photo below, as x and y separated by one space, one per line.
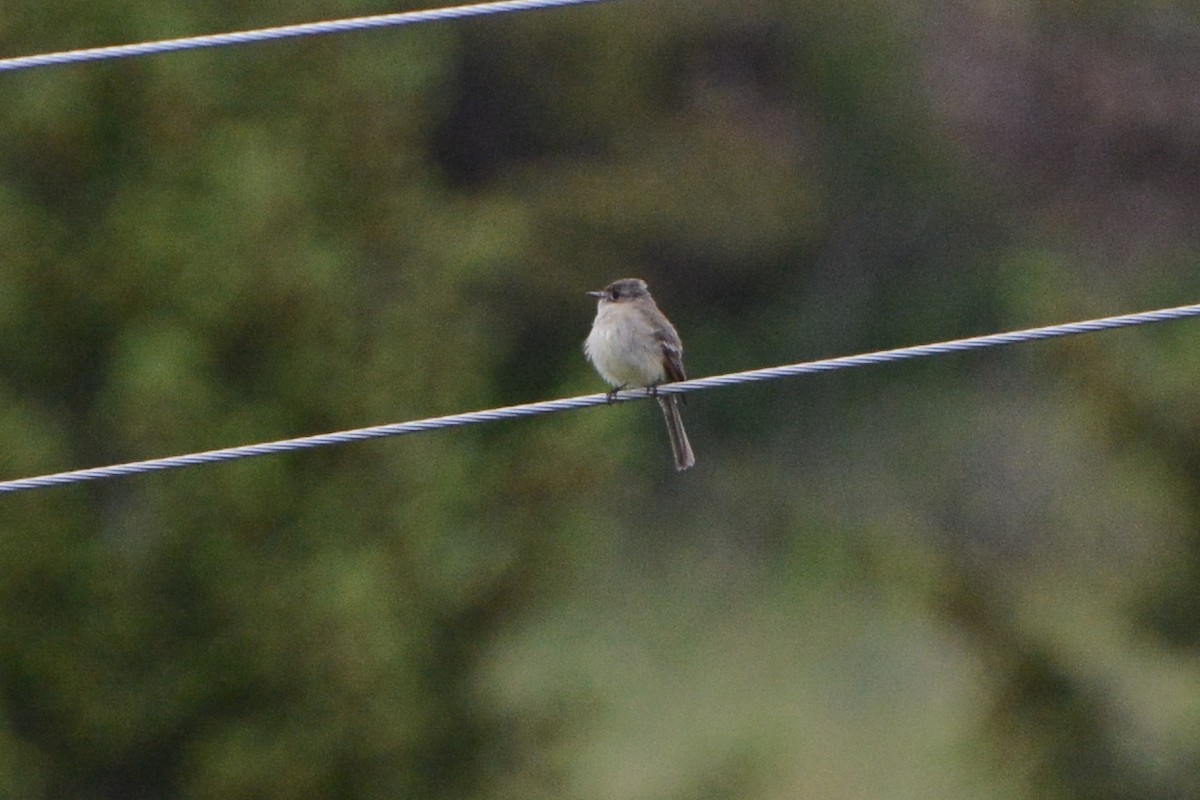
632 345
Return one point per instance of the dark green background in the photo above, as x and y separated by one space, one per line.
968 576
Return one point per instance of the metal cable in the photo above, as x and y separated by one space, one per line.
585 401
281 32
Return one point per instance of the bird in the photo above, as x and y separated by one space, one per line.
633 345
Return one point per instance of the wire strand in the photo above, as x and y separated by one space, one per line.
280 32
587 401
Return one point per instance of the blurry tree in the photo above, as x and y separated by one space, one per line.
223 247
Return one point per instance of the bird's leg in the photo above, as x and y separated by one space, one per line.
611 394
653 390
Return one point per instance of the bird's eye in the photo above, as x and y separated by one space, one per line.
613 293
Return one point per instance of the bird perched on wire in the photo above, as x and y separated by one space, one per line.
633 345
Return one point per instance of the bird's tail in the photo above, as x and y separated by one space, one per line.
679 441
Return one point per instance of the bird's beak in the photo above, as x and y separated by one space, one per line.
596 295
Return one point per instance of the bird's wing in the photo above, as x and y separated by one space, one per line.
673 362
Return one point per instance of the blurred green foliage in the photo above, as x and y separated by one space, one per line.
970 576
